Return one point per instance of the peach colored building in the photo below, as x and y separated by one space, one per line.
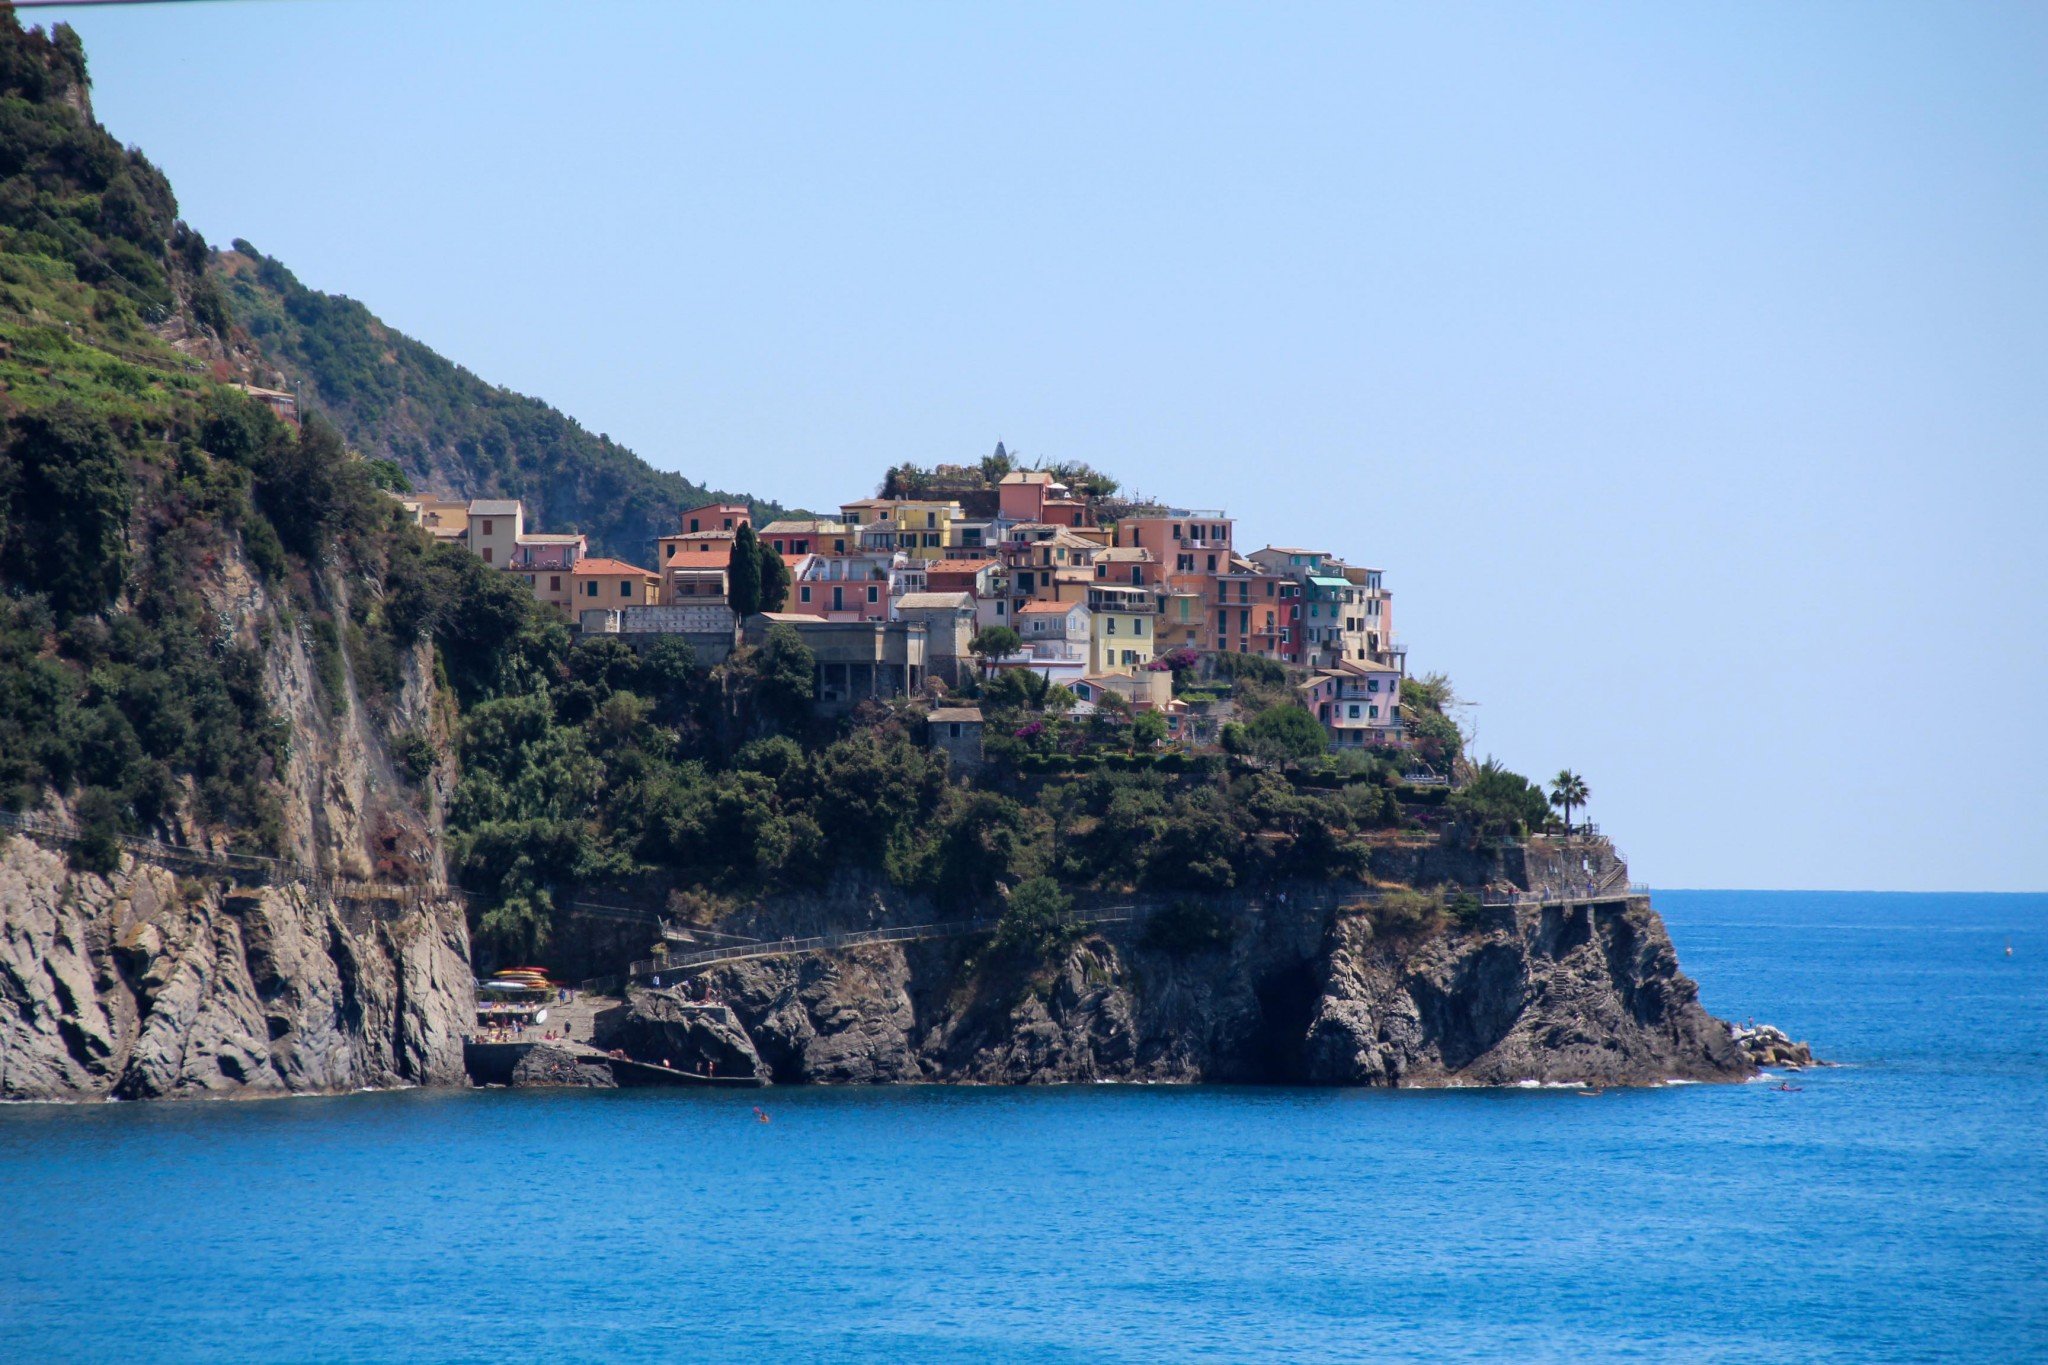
612 583
1034 495
808 535
716 516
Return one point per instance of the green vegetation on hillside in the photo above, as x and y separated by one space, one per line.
912 480
450 431
128 480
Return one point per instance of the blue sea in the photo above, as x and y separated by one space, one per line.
1894 1209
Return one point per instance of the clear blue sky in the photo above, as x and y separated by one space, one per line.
1685 367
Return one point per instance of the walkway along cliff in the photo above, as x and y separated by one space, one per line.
1315 984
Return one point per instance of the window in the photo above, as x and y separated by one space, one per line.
953 729
668 551
693 524
590 588
803 594
487 529
1374 709
871 595
1176 529
1354 710
487 554
1139 626
999 606
554 582
1112 624
1372 685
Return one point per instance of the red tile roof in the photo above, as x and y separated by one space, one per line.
609 566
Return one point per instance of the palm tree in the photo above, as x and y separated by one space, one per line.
1567 790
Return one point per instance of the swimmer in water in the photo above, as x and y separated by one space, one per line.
760 1116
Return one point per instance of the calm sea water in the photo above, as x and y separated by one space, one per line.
1896 1209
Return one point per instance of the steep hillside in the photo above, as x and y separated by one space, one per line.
450 431
206 638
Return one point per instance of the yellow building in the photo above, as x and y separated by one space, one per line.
1124 630
921 528
551 586
611 583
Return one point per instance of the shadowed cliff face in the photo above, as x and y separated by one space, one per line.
137 986
1302 993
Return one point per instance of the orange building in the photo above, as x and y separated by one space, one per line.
611 583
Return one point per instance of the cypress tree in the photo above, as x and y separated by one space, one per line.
774 580
743 575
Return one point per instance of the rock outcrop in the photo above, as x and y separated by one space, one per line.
1767 1046
1304 991
142 984
662 1027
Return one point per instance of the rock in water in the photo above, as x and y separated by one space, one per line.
1768 1046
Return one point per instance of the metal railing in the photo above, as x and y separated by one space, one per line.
250 866
855 938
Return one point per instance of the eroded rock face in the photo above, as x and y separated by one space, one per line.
139 985
660 1026
1548 995
1304 994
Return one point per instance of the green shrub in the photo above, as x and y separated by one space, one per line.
1038 918
1407 913
415 755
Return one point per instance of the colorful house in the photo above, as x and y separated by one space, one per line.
612 583
983 579
1121 628
921 528
1358 703
809 535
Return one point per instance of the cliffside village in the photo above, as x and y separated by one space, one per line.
893 591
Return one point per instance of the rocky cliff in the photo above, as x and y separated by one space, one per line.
142 984
1297 987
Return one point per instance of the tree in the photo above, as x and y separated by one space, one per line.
1498 801
1568 790
65 497
775 580
1148 730
1038 919
994 642
787 672
1288 732
743 573
1432 690
301 486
